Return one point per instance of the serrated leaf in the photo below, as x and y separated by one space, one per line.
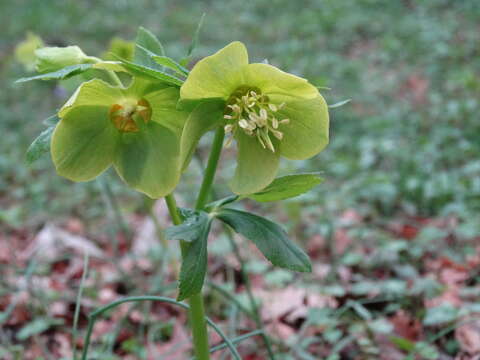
194 263
51 120
39 146
286 187
269 237
61 74
147 41
191 229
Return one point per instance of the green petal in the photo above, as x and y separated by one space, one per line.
307 133
83 143
256 166
92 93
278 84
218 75
148 160
203 118
163 103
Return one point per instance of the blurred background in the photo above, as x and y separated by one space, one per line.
393 231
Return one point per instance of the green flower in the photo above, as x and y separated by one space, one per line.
51 58
136 129
268 112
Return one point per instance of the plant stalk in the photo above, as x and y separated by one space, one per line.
197 311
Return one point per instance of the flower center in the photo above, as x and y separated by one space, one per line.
128 115
251 112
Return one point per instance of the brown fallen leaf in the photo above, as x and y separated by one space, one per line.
468 337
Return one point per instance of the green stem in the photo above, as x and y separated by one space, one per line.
207 182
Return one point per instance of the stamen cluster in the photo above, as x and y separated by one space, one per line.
125 116
255 115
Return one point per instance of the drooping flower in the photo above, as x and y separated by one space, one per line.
268 112
137 129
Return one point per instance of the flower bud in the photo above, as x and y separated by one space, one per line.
55 58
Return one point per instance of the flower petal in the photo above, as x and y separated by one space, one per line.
163 103
92 93
148 160
256 166
203 118
218 75
278 84
307 133
83 143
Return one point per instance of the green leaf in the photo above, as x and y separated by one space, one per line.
39 146
440 315
61 74
269 237
147 43
194 42
51 120
37 326
171 64
165 61
194 264
150 73
191 229
286 187
402 343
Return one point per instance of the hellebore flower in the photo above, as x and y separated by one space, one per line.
137 129
268 112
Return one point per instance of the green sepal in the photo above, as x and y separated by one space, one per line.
39 146
286 187
256 166
148 160
269 238
194 263
50 58
205 117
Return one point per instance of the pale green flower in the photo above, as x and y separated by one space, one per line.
135 129
268 112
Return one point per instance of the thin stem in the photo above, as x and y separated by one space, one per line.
94 315
207 182
78 305
248 287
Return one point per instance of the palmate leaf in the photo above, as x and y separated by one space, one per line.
269 237
165 61
286 187
150 73
191 229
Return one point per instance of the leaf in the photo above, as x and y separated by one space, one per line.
194 264
165 61
191 229
269 237
286 187
338 104
147 43
194 42
61 74
51 120
149 73
39 146
440 315
37 326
